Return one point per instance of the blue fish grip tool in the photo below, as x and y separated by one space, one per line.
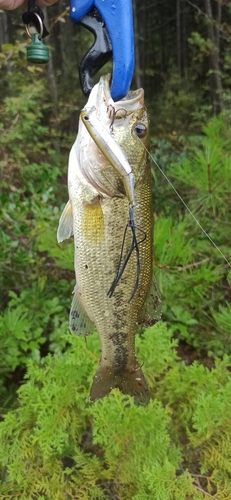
111 22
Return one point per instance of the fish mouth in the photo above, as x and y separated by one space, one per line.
101 95
130 100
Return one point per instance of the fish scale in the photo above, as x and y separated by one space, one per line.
99 223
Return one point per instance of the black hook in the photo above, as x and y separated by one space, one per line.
100 52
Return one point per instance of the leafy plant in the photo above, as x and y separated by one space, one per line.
193 275
57 444
53 442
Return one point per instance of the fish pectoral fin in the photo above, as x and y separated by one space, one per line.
65 229
151 312
79 322
132 383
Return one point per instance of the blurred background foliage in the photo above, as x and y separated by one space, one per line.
54 444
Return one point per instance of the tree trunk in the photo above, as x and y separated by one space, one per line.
50 69
215 76
217 26
178 36
3 29
137 49
184 38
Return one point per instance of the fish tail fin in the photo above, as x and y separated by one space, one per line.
132 383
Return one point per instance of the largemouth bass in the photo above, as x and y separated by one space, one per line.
109 178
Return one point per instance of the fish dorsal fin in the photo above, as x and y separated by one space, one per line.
151 312
79 322
65 229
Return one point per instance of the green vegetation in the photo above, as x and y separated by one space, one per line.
58 445
54 444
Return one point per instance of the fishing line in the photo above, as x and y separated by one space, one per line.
186 206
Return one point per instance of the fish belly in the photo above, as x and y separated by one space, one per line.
98 234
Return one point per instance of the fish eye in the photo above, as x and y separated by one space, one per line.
86 118
140 130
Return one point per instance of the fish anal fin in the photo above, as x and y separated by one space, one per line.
151 312
65 229
131 383
79 323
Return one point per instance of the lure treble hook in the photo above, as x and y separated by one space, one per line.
134 246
